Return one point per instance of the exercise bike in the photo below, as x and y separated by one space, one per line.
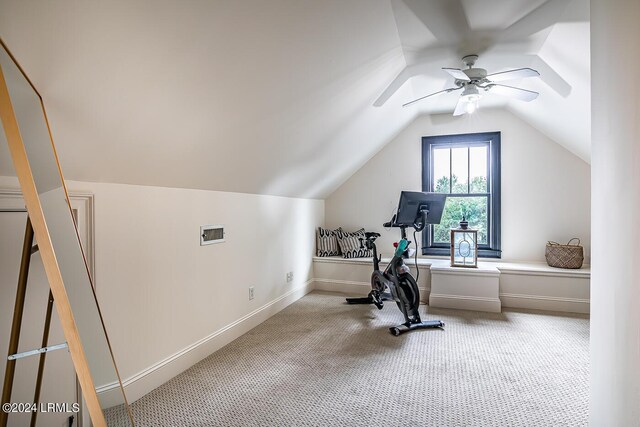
396 282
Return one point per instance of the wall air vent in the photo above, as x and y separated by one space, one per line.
210 234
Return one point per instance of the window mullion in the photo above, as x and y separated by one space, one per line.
468 169
450 172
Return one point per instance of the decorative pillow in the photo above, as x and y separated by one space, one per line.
327 242
350 244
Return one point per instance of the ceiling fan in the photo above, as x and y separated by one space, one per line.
472 80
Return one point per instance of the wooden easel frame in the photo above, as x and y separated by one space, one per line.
45 245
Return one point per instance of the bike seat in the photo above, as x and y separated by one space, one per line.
371 235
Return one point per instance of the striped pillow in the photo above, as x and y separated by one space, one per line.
350 244
327 242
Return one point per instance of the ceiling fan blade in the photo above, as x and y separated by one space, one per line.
457 74
519 73
422 65
451 89
514 92
461 107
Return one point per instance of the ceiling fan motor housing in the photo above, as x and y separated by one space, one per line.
477 74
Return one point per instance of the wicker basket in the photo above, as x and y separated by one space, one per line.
565 256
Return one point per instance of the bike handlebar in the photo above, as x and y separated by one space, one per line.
419 224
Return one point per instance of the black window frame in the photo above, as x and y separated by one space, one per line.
492 248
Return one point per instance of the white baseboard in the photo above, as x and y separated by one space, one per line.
465 302
547 303
355 289
154 376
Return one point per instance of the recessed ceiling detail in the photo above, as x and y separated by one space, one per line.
448 21
550 36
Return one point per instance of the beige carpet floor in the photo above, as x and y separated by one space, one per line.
321 362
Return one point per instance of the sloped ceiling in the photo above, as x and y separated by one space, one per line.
278 97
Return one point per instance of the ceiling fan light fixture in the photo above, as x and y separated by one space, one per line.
470 96
470 93
471 107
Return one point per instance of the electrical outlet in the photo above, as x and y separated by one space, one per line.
252 292
290 277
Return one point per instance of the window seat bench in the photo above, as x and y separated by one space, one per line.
493 285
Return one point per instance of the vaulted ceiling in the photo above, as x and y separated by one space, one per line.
282 97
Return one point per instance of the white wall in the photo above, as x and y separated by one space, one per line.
161 292
615 319
545 188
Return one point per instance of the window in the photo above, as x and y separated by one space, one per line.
467 169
